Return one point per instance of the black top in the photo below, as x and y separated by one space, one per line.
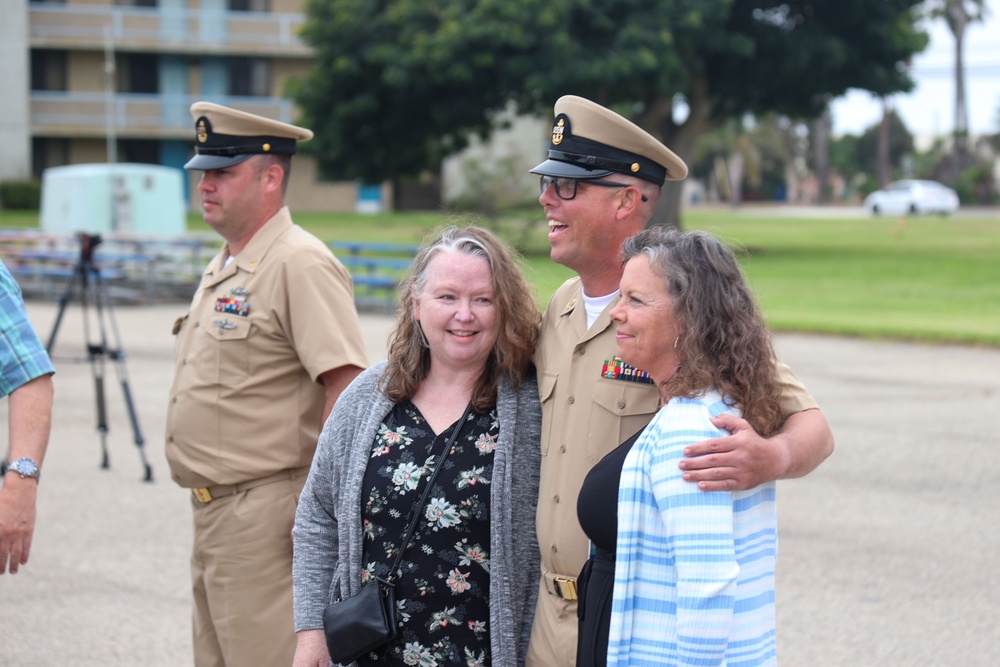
597 509
597 504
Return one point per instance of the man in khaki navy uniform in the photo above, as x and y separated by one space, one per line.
271 339
600 185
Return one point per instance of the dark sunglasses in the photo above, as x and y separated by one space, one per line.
566 187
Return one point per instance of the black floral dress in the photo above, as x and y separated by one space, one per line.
443 587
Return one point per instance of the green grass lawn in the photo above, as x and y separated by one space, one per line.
928 278
924 278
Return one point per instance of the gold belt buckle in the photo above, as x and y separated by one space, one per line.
565 588
203 495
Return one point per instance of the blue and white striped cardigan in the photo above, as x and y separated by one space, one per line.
694 571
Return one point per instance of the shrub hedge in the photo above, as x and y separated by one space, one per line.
20 195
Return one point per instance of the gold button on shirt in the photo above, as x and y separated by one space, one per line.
584 417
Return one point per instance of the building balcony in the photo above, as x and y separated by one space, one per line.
134 115
166 30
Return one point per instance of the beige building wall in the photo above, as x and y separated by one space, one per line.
15 125
501 164
85 151
295 6
85 72
307 193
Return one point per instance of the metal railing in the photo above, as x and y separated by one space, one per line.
169 29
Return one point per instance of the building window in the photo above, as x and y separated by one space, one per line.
138 73
48 69
250 77
142 151
249 5
48 152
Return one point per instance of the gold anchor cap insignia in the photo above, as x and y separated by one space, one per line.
202 131
557 132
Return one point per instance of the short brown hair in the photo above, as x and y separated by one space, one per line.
283 161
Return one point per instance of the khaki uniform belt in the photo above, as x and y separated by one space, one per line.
207 494
561 586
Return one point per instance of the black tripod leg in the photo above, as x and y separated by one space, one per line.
139 441
95 355
97 370
63 301
106 314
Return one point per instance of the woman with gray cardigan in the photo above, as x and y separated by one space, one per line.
460 358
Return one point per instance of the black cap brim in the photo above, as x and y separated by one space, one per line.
210 162
560 169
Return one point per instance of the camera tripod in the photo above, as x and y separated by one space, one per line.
87 276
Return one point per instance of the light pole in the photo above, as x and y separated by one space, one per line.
109 97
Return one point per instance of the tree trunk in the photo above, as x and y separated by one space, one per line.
734 168
884 165
791 183
958 21
821 154
712 192
791 151
681 139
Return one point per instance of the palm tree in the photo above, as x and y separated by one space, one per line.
958 14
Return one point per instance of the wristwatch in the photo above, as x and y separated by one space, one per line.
24 467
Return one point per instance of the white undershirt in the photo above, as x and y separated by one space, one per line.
595 305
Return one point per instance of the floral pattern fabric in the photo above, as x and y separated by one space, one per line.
443 582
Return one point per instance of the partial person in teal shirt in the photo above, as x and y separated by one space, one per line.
26 377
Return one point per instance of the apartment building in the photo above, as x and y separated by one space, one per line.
94 81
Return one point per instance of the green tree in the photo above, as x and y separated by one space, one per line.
844 155
856 157
398 84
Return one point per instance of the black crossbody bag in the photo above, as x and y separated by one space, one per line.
363 622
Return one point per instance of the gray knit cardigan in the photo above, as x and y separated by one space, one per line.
328 537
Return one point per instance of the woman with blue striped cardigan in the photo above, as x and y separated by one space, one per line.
680 576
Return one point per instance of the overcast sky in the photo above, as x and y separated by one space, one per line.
930 108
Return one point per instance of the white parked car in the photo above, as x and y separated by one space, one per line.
912 196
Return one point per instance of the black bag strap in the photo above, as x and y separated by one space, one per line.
427 491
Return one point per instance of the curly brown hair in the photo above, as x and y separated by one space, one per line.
518 319
724 342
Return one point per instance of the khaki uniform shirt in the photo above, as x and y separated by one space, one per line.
245 401
584 417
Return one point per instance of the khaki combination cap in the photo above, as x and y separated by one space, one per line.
226 136
591 141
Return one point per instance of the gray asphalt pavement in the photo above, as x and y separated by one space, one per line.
888 552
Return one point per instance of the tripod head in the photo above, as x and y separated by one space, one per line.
88 242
